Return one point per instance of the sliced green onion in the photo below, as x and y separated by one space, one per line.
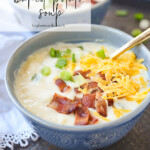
73 58
138 16
65 75
79 79
45 71
101 54
81 47
34 76
54 53
136 32
68 51
121 13
58 54
61 62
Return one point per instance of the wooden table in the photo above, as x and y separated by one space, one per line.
139 137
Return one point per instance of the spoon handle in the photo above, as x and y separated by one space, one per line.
137 40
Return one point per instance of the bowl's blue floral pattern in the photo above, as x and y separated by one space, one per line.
84 140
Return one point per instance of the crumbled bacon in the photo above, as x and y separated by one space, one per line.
77 99
76 90
97 90
89 100
83 73
94 91
100 104
82 116
62 85
98 95
102 75
92 120
110 102
92 85
63 104
82 87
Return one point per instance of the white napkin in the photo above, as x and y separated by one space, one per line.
13 127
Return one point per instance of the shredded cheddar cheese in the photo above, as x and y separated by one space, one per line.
120 112
71 66
84 90
119 74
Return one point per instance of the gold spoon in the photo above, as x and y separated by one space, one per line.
137 40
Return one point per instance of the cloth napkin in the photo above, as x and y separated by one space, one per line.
14 129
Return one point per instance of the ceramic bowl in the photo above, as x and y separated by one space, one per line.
29 19
77 137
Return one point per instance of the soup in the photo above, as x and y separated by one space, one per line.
78 84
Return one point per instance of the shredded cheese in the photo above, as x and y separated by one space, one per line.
119 75
71 66
84 90
120 112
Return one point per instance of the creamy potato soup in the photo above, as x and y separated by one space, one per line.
78 84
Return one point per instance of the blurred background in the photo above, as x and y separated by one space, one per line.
132 17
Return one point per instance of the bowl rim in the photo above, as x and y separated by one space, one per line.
130 116
67 14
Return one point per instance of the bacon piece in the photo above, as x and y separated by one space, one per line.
92 85
92 120
83 85
62 85
76 90
63 104
94 91
83 73
89 100
82 116
77 99
102 75
110 102
100 104
98 95
97 90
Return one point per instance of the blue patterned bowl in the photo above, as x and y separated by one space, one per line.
77 137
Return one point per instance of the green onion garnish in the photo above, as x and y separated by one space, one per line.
45 71
54 53
34 76
73 58
58 54
61 62
65 75
136 32
138 16
68 51
121 13
101 54
81 47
